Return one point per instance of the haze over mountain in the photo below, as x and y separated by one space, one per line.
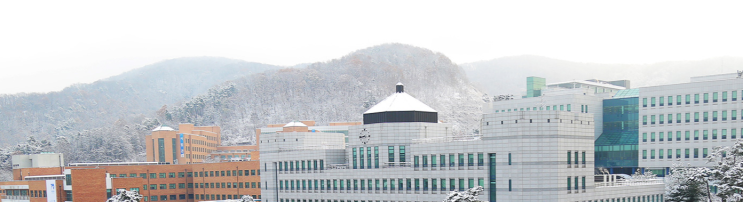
335 91
507 75
124 97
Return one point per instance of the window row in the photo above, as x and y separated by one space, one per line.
583 108
358 155
223 173
648 198
572 153
687 153
196 196
224 185
669 100
705 135
305 165
454 160
668 118
416 184
575 187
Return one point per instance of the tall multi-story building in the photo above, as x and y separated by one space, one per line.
683 123
402 153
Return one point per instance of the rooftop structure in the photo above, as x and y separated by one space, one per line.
400 107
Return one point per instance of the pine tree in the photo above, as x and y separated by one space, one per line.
685 185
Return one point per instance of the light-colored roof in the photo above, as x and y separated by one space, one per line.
295 123
163 127
400 102
589 83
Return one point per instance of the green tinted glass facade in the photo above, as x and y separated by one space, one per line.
616 148
534 86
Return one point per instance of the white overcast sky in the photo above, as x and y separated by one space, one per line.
46 46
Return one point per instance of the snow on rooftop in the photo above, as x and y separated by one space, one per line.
163 128
295 124
400 102
605 85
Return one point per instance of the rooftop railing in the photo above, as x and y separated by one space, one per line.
472 137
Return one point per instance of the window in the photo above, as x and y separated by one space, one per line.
644 154
696 98
706 98
696 135
724 96
660 137
652 120
734 96
652 137
470 159
670 136
724 115
660 101
688 117
705 134
443 160
732 133
714 116
569 161
644 104
652 102
714 97
509 158
696 116
678 136
163 175
562 108
415 161
451 160
686 153
678 118
461 159
678 153
734 114
390 154
376 157
704 153
480 159
353 156
402 153
670 155
670 100
652 154
644 120
688 135
569 107
696 152
670 118
569 184
644 139
583 155
660 154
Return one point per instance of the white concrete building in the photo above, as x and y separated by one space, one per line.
685 122
402 153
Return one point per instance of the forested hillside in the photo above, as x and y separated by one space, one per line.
124 98
333 91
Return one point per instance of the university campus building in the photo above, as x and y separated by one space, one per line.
403 153
176 172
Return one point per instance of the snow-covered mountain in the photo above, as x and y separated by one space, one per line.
337 90
125 98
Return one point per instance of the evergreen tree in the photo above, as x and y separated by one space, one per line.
685 185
